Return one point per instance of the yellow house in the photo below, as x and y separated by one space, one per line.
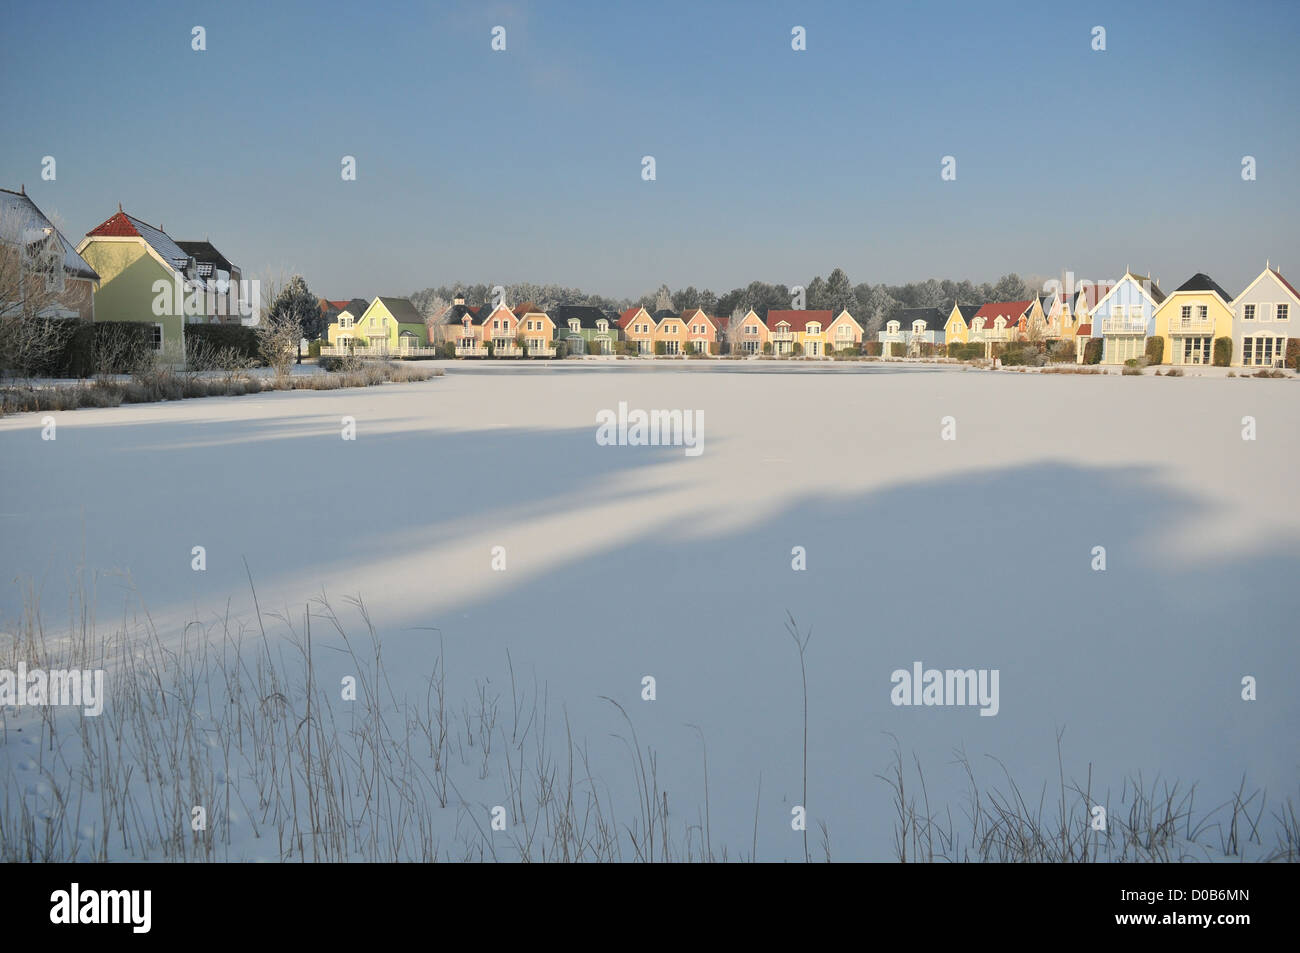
956 329
536 330
844 332
343 329
1191 318
387 324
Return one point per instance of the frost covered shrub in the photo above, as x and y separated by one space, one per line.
217 337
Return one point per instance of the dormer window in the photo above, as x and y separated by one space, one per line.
602 325
918 327
345 321
573 325
893 327
814 328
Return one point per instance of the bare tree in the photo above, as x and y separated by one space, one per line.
34 290
279 326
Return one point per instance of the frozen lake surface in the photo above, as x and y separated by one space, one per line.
622 562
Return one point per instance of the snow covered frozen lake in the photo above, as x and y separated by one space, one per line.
622 562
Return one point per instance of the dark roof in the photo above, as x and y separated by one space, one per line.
664 313
1203 282
968 311
357 307
1151 287
457 312
934 318
205 253
587 316
402 310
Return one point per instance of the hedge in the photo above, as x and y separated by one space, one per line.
1222 352
1293 353
87 348
871 348
1155 350
1092 351
242 340
965 352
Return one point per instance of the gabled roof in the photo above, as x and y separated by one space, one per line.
968 311
663 313
457 312
1004 309
585 315
339 305
356 307
1146 282
1200 282
933 317
1084 330
21 222
626 317
798 320
204 253
122 225
1285 284
402 310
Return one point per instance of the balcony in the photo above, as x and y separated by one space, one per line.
471 350
1194 327
378 352
506 349
540 351
1123 326
781 336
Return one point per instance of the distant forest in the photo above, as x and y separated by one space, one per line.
872 305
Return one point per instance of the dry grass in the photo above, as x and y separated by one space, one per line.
159 382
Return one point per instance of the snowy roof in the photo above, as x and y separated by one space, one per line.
123 225
22 222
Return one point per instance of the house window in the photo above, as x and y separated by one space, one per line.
1187 314
1202 312
1282 312
750 329
813 329
157 337
1249 314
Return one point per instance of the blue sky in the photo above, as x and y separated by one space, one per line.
525 165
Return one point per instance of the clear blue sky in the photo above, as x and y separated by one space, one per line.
525 165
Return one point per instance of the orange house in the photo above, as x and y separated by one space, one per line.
701 331
638 326
750 335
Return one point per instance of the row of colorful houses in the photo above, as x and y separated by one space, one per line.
115 272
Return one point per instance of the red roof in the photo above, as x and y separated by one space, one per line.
1004 309
798 320
119 226
1084 330
1286 284
626 317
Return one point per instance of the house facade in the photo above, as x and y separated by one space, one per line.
749 335
805 330
669 333
147 276
911 328
956 327
344 330
1125 317
536 330
1194 314
54 281
638 326
844 332
1000 322
1263 318
701 331
585 330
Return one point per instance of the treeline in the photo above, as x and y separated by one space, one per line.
873 305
